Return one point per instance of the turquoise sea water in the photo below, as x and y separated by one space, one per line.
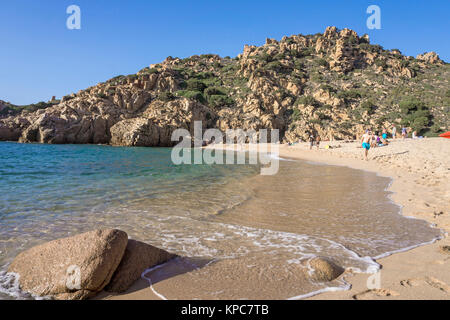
213 212
50 190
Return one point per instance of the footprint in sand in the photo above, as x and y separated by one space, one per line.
445 249
438 284
412 282
431 281
375 293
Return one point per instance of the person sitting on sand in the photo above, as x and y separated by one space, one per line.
378 138
373 140
366 140
384 135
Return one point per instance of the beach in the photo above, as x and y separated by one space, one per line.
420 180
238 234
420 170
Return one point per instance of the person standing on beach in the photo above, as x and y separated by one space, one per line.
394 132
366 140
318 142
311 141
404 133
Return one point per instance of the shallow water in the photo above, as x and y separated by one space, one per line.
255 230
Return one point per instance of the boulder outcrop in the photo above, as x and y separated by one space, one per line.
138 257
72 268
81 266
265 87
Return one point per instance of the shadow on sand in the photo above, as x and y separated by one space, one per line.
174 267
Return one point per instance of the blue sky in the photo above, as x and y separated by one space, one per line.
40 57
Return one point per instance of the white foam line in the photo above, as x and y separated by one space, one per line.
328 289
150 280
387 254
277 157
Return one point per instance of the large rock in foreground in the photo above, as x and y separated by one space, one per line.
138 257
72 268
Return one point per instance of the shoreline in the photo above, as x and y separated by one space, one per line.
418 272
419 181
413 273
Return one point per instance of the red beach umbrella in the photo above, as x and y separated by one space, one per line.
445 135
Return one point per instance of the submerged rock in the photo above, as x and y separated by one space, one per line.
72 268
138 257
323 269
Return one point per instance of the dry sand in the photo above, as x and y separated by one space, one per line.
421 184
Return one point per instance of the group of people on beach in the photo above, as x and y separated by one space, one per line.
314 140
404 133
373 140
369 139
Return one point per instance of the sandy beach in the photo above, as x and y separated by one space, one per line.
420 173
421 181
420 170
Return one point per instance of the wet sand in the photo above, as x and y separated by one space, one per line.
421 185
420 172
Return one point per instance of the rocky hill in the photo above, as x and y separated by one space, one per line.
335 84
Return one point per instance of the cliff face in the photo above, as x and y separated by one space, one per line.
335 84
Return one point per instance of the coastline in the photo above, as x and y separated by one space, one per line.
418 185
419 173
421 191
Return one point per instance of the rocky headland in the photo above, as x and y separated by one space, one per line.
334 84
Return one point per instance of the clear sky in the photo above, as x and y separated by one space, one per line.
40 57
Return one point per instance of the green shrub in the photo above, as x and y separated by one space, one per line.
220 101
277 67
307 101
264 57
322 62
298 64
101 96
415 114
195 95
195 85
368 106
11 109
149 70
215 91
307 52
296 115
381 63
327 87
166 96
316 77
352 40
349 94
204 75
